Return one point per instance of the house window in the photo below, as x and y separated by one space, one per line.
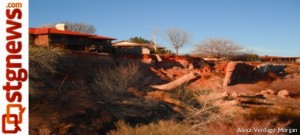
81 39
57 39
76 40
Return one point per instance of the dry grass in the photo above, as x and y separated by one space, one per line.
184 95
75 108
218 127
282 114
206 124
208 112
292 85
208 117
70 110
160 128
42 63
67 112
293 68
239 125
289 80
43 60
204 109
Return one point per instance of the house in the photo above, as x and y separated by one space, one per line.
279 59
69 40
298 60
127 47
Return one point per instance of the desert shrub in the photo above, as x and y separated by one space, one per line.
210 117
113 80
61 100
203 108
184 95
204 115
193 122
209 108
42 60
160 128
42 63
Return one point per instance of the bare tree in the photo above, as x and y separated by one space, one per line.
217 48
76 27
177 37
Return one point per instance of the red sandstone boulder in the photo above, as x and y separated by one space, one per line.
283 93
268 91
271 92
237 72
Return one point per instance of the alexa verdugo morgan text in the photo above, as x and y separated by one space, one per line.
267 130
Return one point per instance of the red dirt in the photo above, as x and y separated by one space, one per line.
170 69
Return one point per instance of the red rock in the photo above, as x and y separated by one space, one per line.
234 95
271 92
237 72
283 93
264 92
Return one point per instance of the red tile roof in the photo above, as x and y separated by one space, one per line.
40 31
32 30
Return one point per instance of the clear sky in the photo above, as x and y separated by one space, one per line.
267 27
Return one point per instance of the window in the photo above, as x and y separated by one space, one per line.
76 40
57 39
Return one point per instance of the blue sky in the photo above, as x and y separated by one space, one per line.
267 27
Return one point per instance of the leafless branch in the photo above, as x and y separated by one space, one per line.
177 37
217 48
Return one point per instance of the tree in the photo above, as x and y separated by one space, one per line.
217 48
177 37
137 39
76 27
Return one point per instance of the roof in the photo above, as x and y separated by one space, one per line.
32 30
279 57
101 37
41 31
131 44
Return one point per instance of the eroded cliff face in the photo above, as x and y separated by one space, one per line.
241 72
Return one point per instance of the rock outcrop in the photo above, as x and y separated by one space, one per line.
264 68
238 72
283 93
